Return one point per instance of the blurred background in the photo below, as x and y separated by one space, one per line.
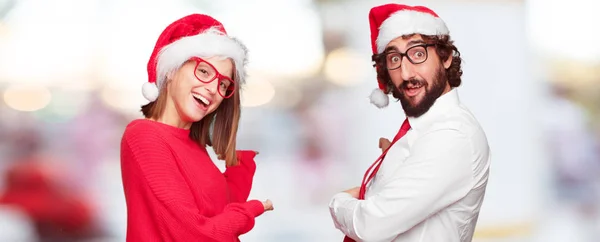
71 73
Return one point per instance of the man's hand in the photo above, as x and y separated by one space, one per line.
354 192
384 144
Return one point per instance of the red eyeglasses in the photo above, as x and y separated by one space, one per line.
206 73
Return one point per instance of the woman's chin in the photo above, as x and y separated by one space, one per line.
196 117
193 116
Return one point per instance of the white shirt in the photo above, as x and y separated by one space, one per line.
430 186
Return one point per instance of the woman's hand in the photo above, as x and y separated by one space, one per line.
384 144
268 205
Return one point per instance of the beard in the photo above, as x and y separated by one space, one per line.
432 93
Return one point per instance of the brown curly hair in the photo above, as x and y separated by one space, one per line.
445 49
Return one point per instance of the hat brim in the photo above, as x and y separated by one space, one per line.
406 22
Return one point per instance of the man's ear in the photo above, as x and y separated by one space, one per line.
448 61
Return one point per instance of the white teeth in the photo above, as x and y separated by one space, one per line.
201 98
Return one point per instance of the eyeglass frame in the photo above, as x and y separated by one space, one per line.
218 76
384 55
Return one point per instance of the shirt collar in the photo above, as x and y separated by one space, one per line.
439 107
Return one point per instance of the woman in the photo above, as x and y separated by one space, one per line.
174 192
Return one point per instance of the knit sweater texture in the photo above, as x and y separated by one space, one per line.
174 191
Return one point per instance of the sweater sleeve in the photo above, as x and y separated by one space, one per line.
239 178
167 195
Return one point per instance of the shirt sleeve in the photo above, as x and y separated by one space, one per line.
170 199
437 173
239 178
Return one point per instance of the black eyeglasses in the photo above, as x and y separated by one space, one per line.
416 54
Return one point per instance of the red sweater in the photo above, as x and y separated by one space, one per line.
174 192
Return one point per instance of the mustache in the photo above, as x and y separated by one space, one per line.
413 82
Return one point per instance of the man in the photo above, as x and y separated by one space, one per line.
430 186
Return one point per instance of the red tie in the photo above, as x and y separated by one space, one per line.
369 175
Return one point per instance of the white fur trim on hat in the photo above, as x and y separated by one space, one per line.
379 99
407 22
150 91
206 44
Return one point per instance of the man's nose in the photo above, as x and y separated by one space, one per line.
407 69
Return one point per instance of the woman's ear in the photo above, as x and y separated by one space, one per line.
170 75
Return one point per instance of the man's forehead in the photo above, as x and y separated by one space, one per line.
403 41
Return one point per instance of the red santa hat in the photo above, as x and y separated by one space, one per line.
391 21
195 35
